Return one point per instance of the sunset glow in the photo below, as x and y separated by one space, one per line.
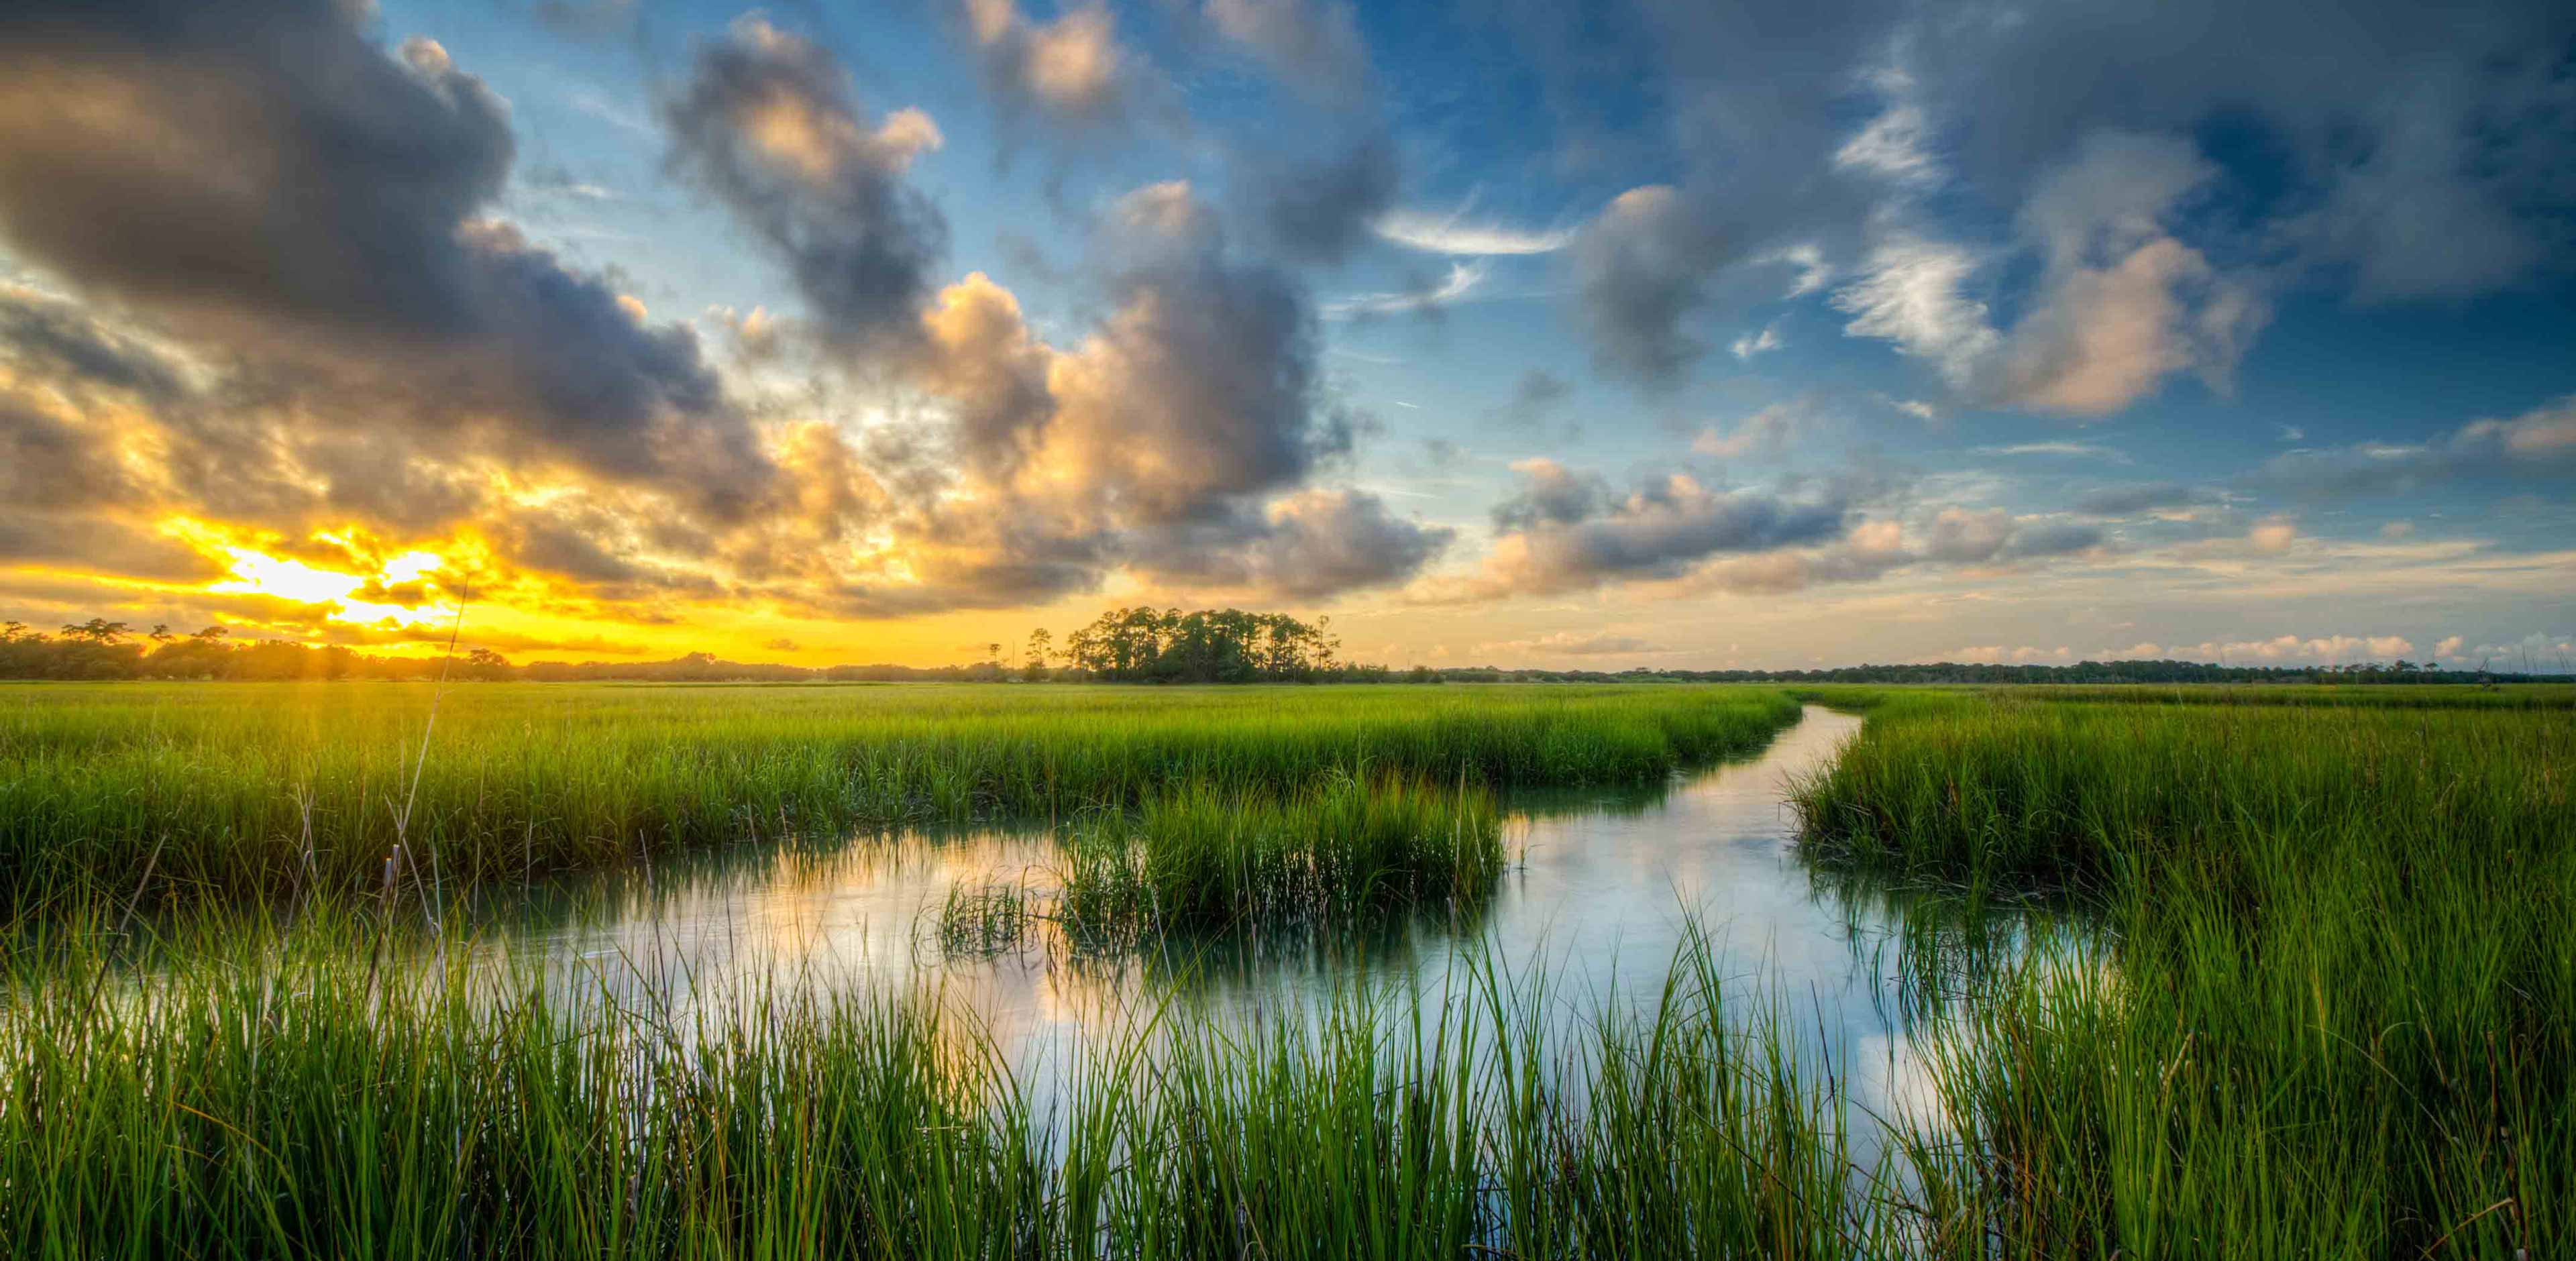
1684 346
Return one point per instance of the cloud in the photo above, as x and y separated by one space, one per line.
1764 433
403 369
2273 535
2123 303
1071 71
2134 498
2450 187
1967 536
1997 654
1579 644
1534 398
1311 545
1177 438
1752 344
2539 444
1314 45
1319 207
1895 146
766 124
1639 270
2324 649
2448 648
1453 234
2439 189
2120 303
2068 450
1910 291
1428 299
1569 531
334 237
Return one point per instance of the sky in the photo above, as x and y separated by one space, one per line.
1677 334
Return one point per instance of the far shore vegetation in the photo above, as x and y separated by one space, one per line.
1129 645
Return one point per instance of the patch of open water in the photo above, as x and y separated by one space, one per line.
1605 891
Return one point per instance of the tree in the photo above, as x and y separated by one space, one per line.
97 630
1041 649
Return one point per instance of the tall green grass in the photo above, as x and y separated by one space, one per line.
2339 1016
272 1096
1327 855
251 790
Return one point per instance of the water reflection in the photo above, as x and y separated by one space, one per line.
1606 888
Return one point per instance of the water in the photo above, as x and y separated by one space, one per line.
1606 889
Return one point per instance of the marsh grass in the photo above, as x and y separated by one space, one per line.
261 791
2336 1016
1352 845
275 1097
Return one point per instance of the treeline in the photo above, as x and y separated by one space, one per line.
1138 645
2162 671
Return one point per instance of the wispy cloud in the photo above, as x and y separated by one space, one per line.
1452 234
2069 450
616 114
1463 279
1752 344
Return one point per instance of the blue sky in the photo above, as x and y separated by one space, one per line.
1660 334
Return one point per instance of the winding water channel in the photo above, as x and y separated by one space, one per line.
1604 890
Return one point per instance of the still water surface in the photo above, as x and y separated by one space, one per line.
1605 890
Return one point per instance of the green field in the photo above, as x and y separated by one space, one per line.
2328 1008
258 789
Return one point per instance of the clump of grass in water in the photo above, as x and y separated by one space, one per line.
986 918
1205 859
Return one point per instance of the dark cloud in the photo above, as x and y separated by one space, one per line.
100 543
2427 146
59 342
1202 385
766 123
1838 128
1312 545
1551 494
1318 208
47 463
331 232
2123 501
1567 531
1534 396
1641 269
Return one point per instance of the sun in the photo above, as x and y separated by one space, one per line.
255 572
